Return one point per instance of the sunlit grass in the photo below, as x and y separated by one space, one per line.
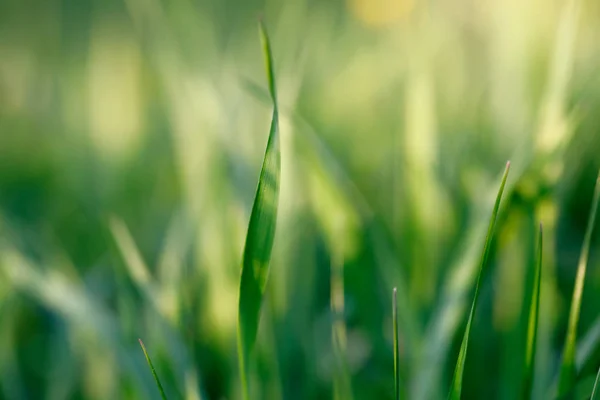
131 140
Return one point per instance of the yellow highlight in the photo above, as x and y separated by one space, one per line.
379 13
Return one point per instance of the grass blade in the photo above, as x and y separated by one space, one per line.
567 375
596 390
268 54
261 232
160 388
396 345
534 310
456 388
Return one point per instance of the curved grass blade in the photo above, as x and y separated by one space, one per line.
261 232
534 310
268 55
456 388
567 375
396 345
337 171
596 390
160 388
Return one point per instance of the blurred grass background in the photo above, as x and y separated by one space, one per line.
131 136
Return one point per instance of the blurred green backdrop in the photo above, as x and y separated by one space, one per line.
131 136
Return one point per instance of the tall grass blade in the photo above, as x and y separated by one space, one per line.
456 387
337 171
268 55
534 310
261 232
596 390
567 369
396 345
160 388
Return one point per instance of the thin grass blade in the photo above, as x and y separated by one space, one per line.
534 310
268 55
396 345
567 375
160 388
596 390
260 235
456 388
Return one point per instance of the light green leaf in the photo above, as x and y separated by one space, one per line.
456 387
534 309
567 368
160 388
261 232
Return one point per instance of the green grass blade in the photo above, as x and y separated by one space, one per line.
261 232
456 388
266 43
567 375
160 388
534 310
596 390
396 345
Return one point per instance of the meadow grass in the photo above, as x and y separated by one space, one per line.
146 218
255 270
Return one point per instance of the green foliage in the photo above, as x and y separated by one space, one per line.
596 391
532 326
131 135
160 388
396 345
567 368
457 380
261 232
